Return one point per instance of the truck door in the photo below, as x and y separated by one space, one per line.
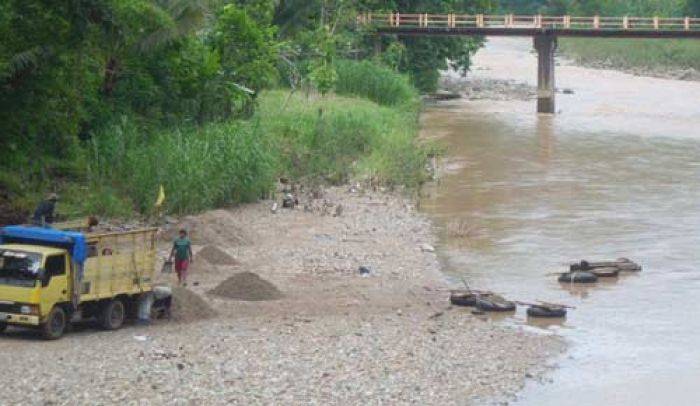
54 285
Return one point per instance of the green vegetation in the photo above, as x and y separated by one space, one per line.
623 53
104 101
332 139
374 82
668 8
312 139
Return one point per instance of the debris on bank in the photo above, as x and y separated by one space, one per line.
247 286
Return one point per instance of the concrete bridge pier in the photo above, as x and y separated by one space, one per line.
545 45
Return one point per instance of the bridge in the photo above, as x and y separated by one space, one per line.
544 30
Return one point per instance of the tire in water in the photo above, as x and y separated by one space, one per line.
490 305
578 277
463 299
546 312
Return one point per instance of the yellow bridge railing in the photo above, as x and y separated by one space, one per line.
506 21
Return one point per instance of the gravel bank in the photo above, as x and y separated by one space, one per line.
663 72
472 88
335 337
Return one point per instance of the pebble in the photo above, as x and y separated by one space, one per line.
364 344
427 248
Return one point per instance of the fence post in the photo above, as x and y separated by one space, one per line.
391 19
567 21
596 22
425 20
480 20
625 22
656 22
686 23
398 19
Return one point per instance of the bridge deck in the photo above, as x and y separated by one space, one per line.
518 25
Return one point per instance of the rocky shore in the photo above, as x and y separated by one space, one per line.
330 334
663 72
472 87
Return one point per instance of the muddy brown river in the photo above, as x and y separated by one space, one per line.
616 173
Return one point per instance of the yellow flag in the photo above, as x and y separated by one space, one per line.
161 196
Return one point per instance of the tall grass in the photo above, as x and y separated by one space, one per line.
334 139
626 53
309 139
216 165
377 83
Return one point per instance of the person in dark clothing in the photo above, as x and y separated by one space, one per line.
44 213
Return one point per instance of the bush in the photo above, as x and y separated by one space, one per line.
314 139
377 83
334 139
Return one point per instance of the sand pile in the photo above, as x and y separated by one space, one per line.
215 256
247 286
188 307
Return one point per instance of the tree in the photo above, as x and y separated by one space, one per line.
247 52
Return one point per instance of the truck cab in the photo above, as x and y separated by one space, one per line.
32 280
49 278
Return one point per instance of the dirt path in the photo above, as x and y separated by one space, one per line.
336 336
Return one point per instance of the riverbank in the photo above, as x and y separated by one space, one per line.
366 130
533 192
336 336
667 59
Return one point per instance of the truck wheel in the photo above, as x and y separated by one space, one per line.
112 315
55 324
3 326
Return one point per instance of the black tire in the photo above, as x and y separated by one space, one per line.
3 327
578 277
489 305
629 267
463 299
55 324
547 312
607 272
113 315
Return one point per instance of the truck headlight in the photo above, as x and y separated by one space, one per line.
29 309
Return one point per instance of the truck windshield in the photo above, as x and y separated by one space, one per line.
19 268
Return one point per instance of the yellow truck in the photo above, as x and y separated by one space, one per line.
50 278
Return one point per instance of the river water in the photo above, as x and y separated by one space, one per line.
616 173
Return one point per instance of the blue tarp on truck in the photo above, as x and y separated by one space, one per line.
72 241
